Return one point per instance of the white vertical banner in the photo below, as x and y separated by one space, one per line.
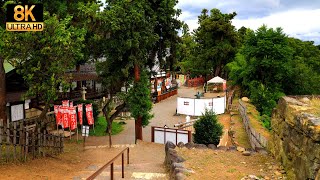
195 107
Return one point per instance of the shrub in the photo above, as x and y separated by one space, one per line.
207 129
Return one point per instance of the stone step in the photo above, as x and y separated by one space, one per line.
134 171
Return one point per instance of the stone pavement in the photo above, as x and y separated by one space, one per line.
163 111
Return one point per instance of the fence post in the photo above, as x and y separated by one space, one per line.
189 136
21 141
15 140
152 134
39 141
1 133
8 141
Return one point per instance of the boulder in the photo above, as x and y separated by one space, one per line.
180 176
189 145
232 148
168 145
200 146
180 145
212 146
246 153
245 99
240 149
223 148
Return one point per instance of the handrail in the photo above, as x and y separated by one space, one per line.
99 171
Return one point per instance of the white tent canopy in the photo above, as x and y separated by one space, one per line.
216 80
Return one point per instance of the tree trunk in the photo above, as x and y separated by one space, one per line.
138 121
106 111
3 93
217 70
43 114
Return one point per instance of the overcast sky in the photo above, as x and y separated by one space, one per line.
298 18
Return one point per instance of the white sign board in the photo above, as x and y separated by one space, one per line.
17 112
185 106
85 131
195 107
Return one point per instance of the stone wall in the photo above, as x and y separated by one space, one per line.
295 139
257 140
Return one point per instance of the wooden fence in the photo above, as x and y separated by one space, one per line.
195 82
22 140
257 140
166 95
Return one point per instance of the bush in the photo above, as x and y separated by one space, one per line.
266 121
207 129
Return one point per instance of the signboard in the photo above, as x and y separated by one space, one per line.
80 113
72 118
24 17
17 112
89 114
85 131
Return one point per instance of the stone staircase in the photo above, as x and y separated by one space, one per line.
142 171
145 163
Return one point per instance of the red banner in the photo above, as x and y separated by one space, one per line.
73 118
89 114
65 116
80 111
65 103
57 114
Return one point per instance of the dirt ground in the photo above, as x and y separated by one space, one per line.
76 162
215 164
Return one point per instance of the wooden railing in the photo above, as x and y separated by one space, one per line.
186 125
111 162
166 95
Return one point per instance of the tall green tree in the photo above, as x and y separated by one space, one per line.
42 58
217 40
131 26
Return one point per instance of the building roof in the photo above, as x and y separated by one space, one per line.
216 79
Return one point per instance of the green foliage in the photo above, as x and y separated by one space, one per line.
266 121
270 65
43 57
139 99
100 127
207 129
211 46
95 106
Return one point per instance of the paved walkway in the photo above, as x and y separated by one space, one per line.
165 110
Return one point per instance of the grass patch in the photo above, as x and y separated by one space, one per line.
255 120
315 103
101 125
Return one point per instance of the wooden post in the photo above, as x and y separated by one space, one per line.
26 145
8 141
1 133
44 143
39 141
21 140
15 140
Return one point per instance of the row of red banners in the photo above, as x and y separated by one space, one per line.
66 115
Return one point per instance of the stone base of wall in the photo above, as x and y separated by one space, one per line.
295 140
